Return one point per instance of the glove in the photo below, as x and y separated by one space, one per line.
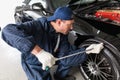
96 48
46 59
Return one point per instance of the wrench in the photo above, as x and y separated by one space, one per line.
64 57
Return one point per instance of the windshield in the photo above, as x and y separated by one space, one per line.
57 3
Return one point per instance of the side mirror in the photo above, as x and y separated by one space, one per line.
37 7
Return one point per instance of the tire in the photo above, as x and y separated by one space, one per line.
103 66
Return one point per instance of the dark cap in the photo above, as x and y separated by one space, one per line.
63 13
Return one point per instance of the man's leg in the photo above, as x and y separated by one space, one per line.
65 65
33 70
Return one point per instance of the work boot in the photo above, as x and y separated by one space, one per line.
68 77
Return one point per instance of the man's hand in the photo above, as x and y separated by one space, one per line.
46 59
96 48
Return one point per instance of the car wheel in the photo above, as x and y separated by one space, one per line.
103 66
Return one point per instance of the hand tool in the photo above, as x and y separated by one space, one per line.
64 57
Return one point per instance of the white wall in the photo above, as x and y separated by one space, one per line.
7 11
10 64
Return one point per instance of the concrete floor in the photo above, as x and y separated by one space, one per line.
10 67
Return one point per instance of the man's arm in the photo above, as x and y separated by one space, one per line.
46 58
20 36
36 50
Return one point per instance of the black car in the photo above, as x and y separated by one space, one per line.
88 29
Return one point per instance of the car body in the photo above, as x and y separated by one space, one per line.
92 25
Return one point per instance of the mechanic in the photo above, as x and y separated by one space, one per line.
41 41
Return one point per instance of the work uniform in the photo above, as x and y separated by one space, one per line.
40 32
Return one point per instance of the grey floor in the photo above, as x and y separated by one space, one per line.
10 67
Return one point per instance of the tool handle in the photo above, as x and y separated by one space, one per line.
47 68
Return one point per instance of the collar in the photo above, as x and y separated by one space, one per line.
52 30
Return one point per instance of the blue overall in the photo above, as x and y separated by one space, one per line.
39 32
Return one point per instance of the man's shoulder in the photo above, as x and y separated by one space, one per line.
43 19
44 22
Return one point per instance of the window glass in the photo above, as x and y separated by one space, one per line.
57 3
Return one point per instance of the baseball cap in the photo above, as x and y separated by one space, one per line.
63 13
